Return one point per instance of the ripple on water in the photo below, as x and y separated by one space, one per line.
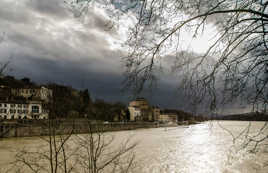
203 148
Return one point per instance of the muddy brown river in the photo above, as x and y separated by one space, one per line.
210 147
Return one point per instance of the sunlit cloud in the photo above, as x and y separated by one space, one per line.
49 44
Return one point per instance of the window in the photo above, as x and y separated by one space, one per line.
25 106
13 111
19 106
3 111
35 116
35 109
5 105
19 111
25 111
12 105
0 105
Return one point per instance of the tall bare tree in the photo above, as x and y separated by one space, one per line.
235 65
3 68
97 155
3 65
62 151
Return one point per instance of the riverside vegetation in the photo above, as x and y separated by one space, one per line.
68 102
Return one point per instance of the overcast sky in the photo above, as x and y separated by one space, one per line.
45 42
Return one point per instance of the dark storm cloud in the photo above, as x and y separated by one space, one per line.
71 73
83 75
62 50
48 44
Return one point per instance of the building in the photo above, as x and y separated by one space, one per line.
24 103
168 118
135 113
140 110
22 110
140 103
156 113
33 93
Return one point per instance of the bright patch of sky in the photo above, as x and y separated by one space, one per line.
127 12
200 43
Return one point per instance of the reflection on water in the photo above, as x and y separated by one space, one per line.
202 148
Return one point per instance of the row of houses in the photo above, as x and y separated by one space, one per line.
24 103
140 110
28 92
31 102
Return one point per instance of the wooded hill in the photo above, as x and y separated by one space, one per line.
68 102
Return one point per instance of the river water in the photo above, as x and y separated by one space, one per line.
210 147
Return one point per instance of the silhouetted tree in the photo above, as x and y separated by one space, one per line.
26 80
62 151
235 65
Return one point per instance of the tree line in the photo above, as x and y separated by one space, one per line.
67 102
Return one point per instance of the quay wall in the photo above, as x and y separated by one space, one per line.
28 128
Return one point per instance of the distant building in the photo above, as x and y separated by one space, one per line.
22 110
135 113
33 93
24 103
156 113
140 110
168 118
140 103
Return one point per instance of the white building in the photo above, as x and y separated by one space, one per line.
22 110
168 118
135 113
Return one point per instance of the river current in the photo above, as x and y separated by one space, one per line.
210 147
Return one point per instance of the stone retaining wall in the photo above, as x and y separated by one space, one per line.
27 128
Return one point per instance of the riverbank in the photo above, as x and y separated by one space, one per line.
202 148
30 128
